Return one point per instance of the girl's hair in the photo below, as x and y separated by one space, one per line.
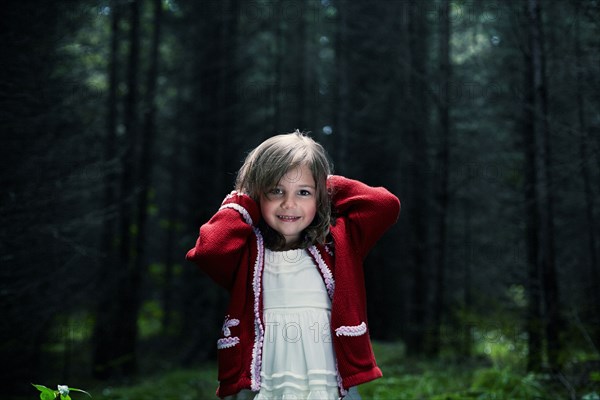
269 162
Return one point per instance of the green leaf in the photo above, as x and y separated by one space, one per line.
41 388
67 397
46 394
80 391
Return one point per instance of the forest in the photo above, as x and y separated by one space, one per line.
123 124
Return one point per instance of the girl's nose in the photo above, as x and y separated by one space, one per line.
288 201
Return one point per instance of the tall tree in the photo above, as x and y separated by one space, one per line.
467 334
124 340
301 46
546 259
115 352
342 87
110 268
147 155
592 276
444 168
414 71
534 312
279 54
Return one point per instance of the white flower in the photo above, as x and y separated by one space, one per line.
63 390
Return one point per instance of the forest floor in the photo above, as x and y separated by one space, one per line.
404 379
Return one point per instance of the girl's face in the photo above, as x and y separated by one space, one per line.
290 206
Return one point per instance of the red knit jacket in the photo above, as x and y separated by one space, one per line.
230 250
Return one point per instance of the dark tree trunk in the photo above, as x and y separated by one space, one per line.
311 92
278 94
226 100
467 279
301 41
342 92
170 240
415 59
102 342
124 360
534 316
444 165
592 278
146 166
546 253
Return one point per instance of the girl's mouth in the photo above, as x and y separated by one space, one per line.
288 218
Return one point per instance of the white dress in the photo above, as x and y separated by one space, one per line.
298 360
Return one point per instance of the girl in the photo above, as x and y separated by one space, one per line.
288 244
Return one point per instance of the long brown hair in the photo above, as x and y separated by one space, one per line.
269 162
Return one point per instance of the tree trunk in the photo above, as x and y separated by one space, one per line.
592 280
277 97
467 278
174 195
102 342
534 316
444 157
124 337
311 84
415 60
546 253
145 175
301 41
226 110
342 92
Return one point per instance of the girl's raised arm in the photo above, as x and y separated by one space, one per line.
368 211
224 237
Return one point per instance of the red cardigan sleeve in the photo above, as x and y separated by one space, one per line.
223 239
369 211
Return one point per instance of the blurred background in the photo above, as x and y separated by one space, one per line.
123 124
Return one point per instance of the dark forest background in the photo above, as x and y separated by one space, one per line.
123 124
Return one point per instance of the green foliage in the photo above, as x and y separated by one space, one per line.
504 383
176 385
404 379
62 392
498 336
455 382
46 394
591 396
149 319
67 330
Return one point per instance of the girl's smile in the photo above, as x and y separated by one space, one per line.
291 205
286 218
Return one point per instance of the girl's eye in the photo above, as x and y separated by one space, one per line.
304 192
275 192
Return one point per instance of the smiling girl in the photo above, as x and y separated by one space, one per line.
288 244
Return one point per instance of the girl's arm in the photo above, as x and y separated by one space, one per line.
369 211
223 238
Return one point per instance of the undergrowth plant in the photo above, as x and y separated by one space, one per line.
62 392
